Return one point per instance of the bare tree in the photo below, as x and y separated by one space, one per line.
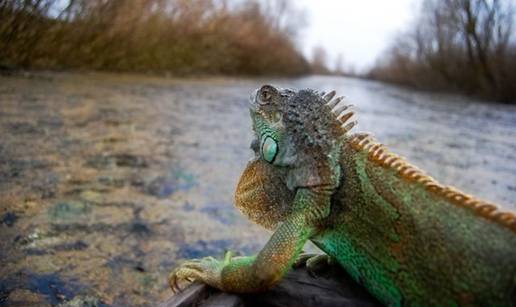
178 36
319 60
339 65
457 44
285 16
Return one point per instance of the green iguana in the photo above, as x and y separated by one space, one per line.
406 238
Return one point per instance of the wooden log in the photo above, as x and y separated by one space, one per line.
328 286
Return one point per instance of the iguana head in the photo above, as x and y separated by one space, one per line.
267 108
299 129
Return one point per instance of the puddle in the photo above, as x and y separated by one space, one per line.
50 286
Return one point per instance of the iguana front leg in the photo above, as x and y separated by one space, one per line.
260 272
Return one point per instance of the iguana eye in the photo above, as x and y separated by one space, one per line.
265 94
269 149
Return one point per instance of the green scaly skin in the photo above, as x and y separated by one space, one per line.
407 239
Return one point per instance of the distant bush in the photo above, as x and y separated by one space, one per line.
458 45
177 36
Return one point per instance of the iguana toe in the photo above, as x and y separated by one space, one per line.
207 270
317 261
302 258
313 262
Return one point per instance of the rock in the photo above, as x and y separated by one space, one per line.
328 286
84 301
68 210
8 219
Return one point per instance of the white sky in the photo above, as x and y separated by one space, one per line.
358 29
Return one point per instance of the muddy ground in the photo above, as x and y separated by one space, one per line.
107 181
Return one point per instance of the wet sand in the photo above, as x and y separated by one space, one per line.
107 181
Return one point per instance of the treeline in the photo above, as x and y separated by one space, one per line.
176 36
457 45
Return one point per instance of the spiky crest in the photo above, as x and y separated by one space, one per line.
341 111
316 120
380 155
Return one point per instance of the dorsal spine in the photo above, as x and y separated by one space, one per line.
379 154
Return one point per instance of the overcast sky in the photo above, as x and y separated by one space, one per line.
357 29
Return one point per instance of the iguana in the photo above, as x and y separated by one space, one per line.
406 238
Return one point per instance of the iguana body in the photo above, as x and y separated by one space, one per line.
407 239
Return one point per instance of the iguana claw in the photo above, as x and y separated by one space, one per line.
207 270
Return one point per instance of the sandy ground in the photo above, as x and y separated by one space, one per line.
107 181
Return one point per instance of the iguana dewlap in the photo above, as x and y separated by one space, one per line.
402 235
